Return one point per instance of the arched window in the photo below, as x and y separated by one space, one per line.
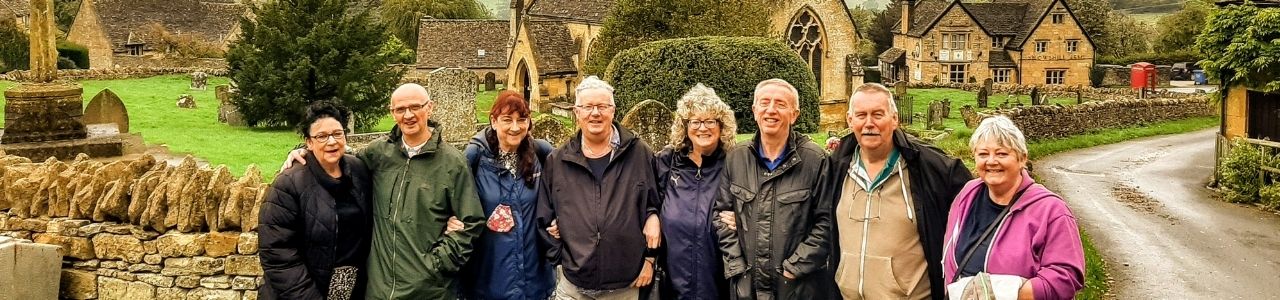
805 36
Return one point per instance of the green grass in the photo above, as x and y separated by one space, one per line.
1096 285
959 98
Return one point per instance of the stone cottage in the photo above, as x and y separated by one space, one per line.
1026 42
477 45
118 34
550 41
15 11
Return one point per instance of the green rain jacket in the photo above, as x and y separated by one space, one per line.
413 197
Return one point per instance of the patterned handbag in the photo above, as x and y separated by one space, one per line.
343 283
501 220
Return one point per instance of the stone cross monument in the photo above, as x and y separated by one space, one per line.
43 109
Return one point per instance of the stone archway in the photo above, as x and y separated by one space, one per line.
806 36
524 82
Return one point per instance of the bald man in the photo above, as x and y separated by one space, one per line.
419 181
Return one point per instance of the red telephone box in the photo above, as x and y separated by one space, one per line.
1142 76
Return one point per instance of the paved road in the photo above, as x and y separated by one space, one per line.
1162 233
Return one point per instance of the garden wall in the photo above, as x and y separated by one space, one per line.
139 229
116 73
1052 121
1055 91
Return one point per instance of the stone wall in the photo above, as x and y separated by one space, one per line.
116 73
1114 75
139 229
160 61
1052 121
1092 93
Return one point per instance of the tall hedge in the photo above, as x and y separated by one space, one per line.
14 51
664 70
76 53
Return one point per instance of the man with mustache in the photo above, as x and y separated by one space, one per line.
779 250
890 194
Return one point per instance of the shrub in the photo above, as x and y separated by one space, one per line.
1270 196
14 51
1096 76
65 63
77 54
665 70
1239 178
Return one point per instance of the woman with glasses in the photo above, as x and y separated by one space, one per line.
688 173
1008 237
507 163
315 223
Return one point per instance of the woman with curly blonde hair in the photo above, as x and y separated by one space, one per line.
688 174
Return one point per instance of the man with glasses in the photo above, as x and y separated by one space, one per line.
598 201
891 194
772 226
419 182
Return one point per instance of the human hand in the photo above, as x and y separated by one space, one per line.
729 219
296 155
652 232
646 275
453 225
554 230
788 275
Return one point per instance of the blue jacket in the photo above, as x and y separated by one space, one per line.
505 265
692 258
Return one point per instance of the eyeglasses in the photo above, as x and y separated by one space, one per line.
594 108
412 107
324 137
510 121
708 124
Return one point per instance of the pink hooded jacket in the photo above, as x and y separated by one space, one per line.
1039 240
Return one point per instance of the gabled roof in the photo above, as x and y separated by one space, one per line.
892 55
459 43
553 47
15 7
1012 18
587 11
1000 58
126 21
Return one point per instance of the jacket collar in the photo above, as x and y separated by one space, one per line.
789 159
574 146
396 139
681 158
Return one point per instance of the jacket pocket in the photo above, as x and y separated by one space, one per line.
793 197
879 281
741 195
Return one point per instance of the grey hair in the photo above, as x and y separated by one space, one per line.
1001 130
778 82
592 83
702 99
874 88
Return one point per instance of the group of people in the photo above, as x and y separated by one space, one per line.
882 216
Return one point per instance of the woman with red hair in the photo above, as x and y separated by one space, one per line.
506 163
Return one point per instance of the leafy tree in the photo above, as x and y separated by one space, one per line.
1095 16
64 13
1180 29
1239 42
14 53
403 16
298 51
634 22
1124 36
879 31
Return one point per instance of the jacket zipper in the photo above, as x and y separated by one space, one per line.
395 213
987 259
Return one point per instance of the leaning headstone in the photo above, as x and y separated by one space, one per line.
984 94
228 113
651 121
106 108
549 128
28 270
490 81
199 80
970 116
186 101
454 92
934 120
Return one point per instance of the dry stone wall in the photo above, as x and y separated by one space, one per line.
1053 121
114 73
1057 91
138 229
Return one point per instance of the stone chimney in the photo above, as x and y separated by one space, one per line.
908 7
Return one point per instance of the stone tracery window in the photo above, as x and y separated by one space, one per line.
805 36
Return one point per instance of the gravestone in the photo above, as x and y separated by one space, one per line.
970 116
490 81
28 270
906 110
1035 96
1079 97
549 128
651 121
454 92
228 113
984 94
900 89
199 80
186 101
946 108
935 117
106 108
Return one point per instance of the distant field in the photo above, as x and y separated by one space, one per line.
1150 18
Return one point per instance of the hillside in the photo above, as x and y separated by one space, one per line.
500 9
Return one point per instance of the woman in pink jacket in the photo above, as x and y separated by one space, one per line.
1008 237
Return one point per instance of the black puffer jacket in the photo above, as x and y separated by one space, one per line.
935 180
298 232
782 223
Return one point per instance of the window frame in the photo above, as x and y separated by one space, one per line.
1058 18
998 73
952 72
1073 45
1049 79
1042 46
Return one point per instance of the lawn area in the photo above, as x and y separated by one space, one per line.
154 115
